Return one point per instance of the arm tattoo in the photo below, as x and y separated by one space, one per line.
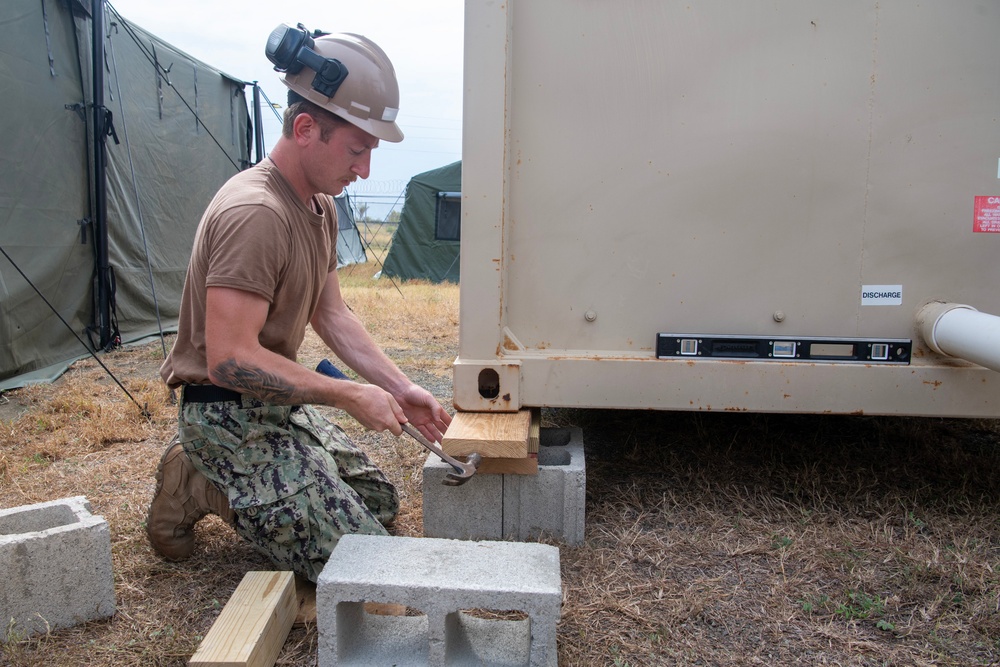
261 385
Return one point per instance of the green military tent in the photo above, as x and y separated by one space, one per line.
170 131
427 240
350 248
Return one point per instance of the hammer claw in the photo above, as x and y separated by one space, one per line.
463 471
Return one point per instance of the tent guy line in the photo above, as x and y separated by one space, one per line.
135 191
143 409
163 74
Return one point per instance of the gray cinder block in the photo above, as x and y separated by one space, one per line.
551 503
442 579
56 563
471 511
513 507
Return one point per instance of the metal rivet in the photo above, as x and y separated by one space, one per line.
779 316
590 316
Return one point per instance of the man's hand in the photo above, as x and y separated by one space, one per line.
373 407
423 411
344 333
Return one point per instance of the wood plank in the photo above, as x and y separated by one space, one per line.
535 431
253 625
305 594
525 466
491 434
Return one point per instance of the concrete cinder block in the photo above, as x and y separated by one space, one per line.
471 511
442 579
513 507
551 503
56 563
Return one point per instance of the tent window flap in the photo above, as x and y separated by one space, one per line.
448 217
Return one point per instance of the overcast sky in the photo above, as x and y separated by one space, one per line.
423 38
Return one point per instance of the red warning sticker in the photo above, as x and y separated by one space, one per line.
987 215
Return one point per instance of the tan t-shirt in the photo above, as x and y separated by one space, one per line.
256 235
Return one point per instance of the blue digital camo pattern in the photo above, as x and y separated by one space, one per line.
295 480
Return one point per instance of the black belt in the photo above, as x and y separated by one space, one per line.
209 393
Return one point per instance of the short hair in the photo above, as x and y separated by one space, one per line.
326 120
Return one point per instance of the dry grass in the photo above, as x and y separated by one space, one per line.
712 539
727 539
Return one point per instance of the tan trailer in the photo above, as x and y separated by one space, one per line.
781 206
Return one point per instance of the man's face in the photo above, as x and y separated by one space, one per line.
332 165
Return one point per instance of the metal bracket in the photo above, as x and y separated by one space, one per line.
84 224
80 109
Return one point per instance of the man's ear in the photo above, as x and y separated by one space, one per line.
304 128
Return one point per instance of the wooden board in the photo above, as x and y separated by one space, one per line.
305 594
525 466
492 434
535 431
253 625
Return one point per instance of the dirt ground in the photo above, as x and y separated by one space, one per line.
711 538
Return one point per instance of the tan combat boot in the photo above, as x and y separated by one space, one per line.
183 497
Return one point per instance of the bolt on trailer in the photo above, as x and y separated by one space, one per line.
764 206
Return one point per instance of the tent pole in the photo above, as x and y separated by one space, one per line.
100 179
258 130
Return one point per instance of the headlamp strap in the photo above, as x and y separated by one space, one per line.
330 72
292 48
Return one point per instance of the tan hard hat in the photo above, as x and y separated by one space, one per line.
368 96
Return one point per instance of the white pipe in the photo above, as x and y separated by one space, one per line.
957 330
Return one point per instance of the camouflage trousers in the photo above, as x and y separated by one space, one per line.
294 479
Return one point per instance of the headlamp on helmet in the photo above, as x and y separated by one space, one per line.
291 49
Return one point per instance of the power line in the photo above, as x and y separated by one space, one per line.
389 149
449 120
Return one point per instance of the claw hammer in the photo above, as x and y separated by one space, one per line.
463 471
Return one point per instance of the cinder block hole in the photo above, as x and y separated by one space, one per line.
365 638
390 609
551 443
553 457
35 520
488 637
554 437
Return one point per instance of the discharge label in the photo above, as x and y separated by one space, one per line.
881 295
987 217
